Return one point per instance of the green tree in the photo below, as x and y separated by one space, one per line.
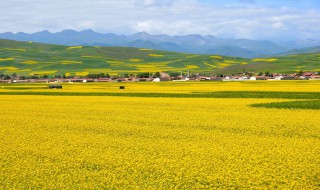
6 77
102 75
267 73
22 77
143 75
174 74
157 74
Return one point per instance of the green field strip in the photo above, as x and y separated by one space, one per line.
222 94
309 105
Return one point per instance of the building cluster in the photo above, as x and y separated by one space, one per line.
166 77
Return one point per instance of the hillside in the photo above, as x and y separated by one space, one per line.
307 50
193 43
34 58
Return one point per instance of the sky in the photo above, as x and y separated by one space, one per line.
278 20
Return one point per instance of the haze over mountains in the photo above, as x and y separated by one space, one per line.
190 43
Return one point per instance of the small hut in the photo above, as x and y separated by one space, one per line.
55 86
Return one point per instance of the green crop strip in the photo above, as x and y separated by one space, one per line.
262 94
310 105
223 94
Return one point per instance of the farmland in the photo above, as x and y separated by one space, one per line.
27 58
193 135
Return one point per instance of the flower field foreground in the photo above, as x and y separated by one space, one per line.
110 142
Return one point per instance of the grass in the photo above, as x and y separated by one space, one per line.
37 58
308 105
222 94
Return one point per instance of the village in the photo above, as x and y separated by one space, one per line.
158 77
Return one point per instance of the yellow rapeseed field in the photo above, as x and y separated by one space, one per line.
216 57
10 68
107 142
265 59
67 62
155 55
12 49
7 59
75 47
30 62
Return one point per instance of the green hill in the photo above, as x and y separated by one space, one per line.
34 58
315 49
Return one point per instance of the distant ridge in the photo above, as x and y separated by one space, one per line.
190 43
301 51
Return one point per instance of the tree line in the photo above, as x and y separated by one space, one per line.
127 75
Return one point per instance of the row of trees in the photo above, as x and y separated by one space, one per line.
266 74
93 76
126 75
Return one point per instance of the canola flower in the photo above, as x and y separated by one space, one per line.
192 67
43 72
82 142
7 59
82 73
67 62
30 62
216 57
222 65
231 61
265 59
155 55
9 68
74 47
135 60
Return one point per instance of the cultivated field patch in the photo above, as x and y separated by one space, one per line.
160 136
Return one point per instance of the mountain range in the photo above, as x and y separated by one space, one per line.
193 43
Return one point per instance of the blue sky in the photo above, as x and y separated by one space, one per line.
278 20
301 4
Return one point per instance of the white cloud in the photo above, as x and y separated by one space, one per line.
174 17
156 3
247 1
278 25
170 28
